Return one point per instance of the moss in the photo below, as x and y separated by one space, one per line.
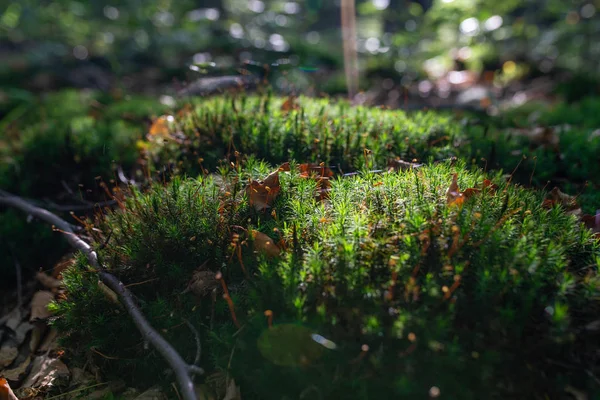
58 149
203 135
382 290
224 129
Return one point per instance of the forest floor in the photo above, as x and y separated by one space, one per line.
541 144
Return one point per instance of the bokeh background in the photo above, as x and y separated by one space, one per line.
411 53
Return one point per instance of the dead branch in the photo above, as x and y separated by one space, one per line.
182 370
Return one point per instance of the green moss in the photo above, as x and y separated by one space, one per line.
58 149
582 113
382 290
320 130
211 131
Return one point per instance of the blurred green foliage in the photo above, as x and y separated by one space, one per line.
406 38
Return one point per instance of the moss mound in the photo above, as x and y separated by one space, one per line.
205 134
211 132
395 284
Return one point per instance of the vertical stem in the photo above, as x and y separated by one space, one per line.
349 43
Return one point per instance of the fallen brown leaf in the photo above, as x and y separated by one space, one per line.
592 222
453 194
290 104
62 265
50 341
321 174
264 244
8 353
487 184
456 197
308 169
401 165
203 282
22 331
16 373
48 281
160 126
262 194
556 197
233 391
46 372
39 305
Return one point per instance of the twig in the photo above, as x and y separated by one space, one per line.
87 205
179 366
104 355
198 344
141 283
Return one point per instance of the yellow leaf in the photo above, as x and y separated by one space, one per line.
160 126
6 392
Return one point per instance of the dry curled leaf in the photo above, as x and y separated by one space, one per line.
290 104
202 283
18 371
453 194
160 126
453 191
456 197
39 305
63 264
592 222
6 392
46 372
48 281
401 165
489 185
264 244
321 174
262 194
556 197
233 391
8 353
319 170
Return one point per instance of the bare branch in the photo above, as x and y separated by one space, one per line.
180 367
198 344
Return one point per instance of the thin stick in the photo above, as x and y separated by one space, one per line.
197 338
180 367
141 283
